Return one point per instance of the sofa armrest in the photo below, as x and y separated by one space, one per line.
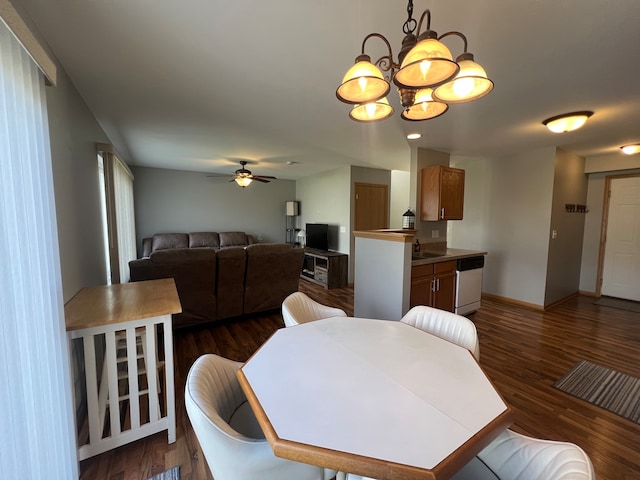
146 247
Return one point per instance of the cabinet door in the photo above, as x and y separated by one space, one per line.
421 285
442 193
421 291
451 194
445 292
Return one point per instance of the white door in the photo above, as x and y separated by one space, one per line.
621 269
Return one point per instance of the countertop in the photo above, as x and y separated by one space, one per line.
444 256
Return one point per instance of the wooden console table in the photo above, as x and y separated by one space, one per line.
127 325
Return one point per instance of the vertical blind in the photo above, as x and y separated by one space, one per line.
125 221
118 210
36 410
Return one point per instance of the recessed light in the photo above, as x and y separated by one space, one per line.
414 136
631 149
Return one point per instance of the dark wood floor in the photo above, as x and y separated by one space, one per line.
522 351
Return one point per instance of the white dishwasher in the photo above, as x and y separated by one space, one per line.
468 284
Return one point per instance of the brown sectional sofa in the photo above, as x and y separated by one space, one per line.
217 275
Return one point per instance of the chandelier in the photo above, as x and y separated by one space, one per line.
426 76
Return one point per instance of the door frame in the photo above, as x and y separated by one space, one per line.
605 224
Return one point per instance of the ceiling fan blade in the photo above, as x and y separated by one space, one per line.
263 176
260 179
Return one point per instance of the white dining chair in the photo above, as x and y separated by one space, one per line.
229 434
298 308
446 325
513 456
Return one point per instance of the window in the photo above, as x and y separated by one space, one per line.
118 214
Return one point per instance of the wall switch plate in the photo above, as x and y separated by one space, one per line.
343 229
554 234
435 233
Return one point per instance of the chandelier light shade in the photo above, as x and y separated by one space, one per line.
424 107
469 84
631 149
362 83
372 111
428 63
567 122
424 63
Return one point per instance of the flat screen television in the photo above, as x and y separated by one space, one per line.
317 236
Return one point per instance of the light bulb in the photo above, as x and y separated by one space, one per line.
463 86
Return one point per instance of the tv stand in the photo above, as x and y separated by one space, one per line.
325 268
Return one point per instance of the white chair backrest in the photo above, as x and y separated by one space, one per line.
446 325
513 456
215 401
299 308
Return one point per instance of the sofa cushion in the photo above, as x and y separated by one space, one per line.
233 239
163 241
182 255
204 239
272 273
230 264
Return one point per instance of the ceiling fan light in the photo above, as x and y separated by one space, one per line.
243 181
424 107
469 84
567 122
631 149
372 111
362 83
428 63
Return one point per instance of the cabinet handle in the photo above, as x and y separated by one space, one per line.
433 285
442 212
437 284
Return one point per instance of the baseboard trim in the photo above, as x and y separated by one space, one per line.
513 301
588 294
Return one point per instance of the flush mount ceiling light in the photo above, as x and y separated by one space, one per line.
425 74
631 149
567 122
414 136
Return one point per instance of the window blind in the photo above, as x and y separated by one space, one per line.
36 413
125 219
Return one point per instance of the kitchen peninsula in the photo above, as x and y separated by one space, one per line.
386 269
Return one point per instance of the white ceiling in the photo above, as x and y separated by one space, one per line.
200 84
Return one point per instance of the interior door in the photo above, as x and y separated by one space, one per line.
621 268
371 206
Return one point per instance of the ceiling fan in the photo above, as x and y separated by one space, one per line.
244 177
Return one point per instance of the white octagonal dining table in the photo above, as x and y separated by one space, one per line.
376 398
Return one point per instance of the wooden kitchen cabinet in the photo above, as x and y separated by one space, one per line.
434 285
442 196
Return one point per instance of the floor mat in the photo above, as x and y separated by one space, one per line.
614 391
618 303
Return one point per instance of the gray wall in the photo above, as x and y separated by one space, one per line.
565 251
74 133
325 198
182 201
400 199
515 194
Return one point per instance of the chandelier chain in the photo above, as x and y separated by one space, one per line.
410 25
